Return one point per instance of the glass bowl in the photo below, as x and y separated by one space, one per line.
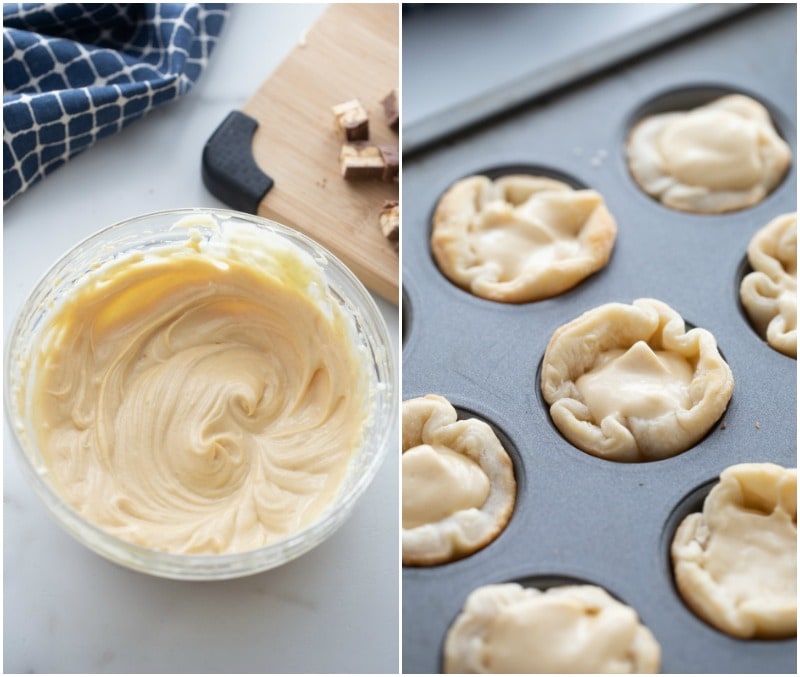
168 229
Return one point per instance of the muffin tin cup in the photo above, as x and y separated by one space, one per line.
577 516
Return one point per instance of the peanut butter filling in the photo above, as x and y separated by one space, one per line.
197 403
557 632
533 236
637 382
712 148
438 482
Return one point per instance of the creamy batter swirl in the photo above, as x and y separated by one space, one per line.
199 404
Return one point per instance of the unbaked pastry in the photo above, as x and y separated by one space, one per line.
716 158
458 483
736 562
569 629
629 383
520 238
769 293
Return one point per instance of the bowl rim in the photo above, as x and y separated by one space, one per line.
223 565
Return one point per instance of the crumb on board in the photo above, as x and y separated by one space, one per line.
758 425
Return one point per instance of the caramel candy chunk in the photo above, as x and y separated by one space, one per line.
391 161
389 220
352 120
361 160
391 110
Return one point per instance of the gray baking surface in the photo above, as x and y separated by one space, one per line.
524 51
578 517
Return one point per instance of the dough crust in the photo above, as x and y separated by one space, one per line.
432 420
520 238
630 421
568 629
736 562
769 293
716 158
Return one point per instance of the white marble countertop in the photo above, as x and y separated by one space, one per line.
335 609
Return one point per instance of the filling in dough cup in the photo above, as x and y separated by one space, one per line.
202 247
629 383
735 562
769 292
570 629
720 157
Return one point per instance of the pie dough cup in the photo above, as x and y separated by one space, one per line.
716 158
769 293
431 428
608 378
736 562
569 629
520 238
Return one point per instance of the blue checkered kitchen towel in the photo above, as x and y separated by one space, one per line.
75 73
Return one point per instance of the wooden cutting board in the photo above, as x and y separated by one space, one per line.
350 52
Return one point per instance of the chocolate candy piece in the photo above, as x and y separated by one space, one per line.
352 120
391 161
391 110
361 160
389 220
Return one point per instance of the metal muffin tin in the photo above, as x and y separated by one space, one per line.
577 517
